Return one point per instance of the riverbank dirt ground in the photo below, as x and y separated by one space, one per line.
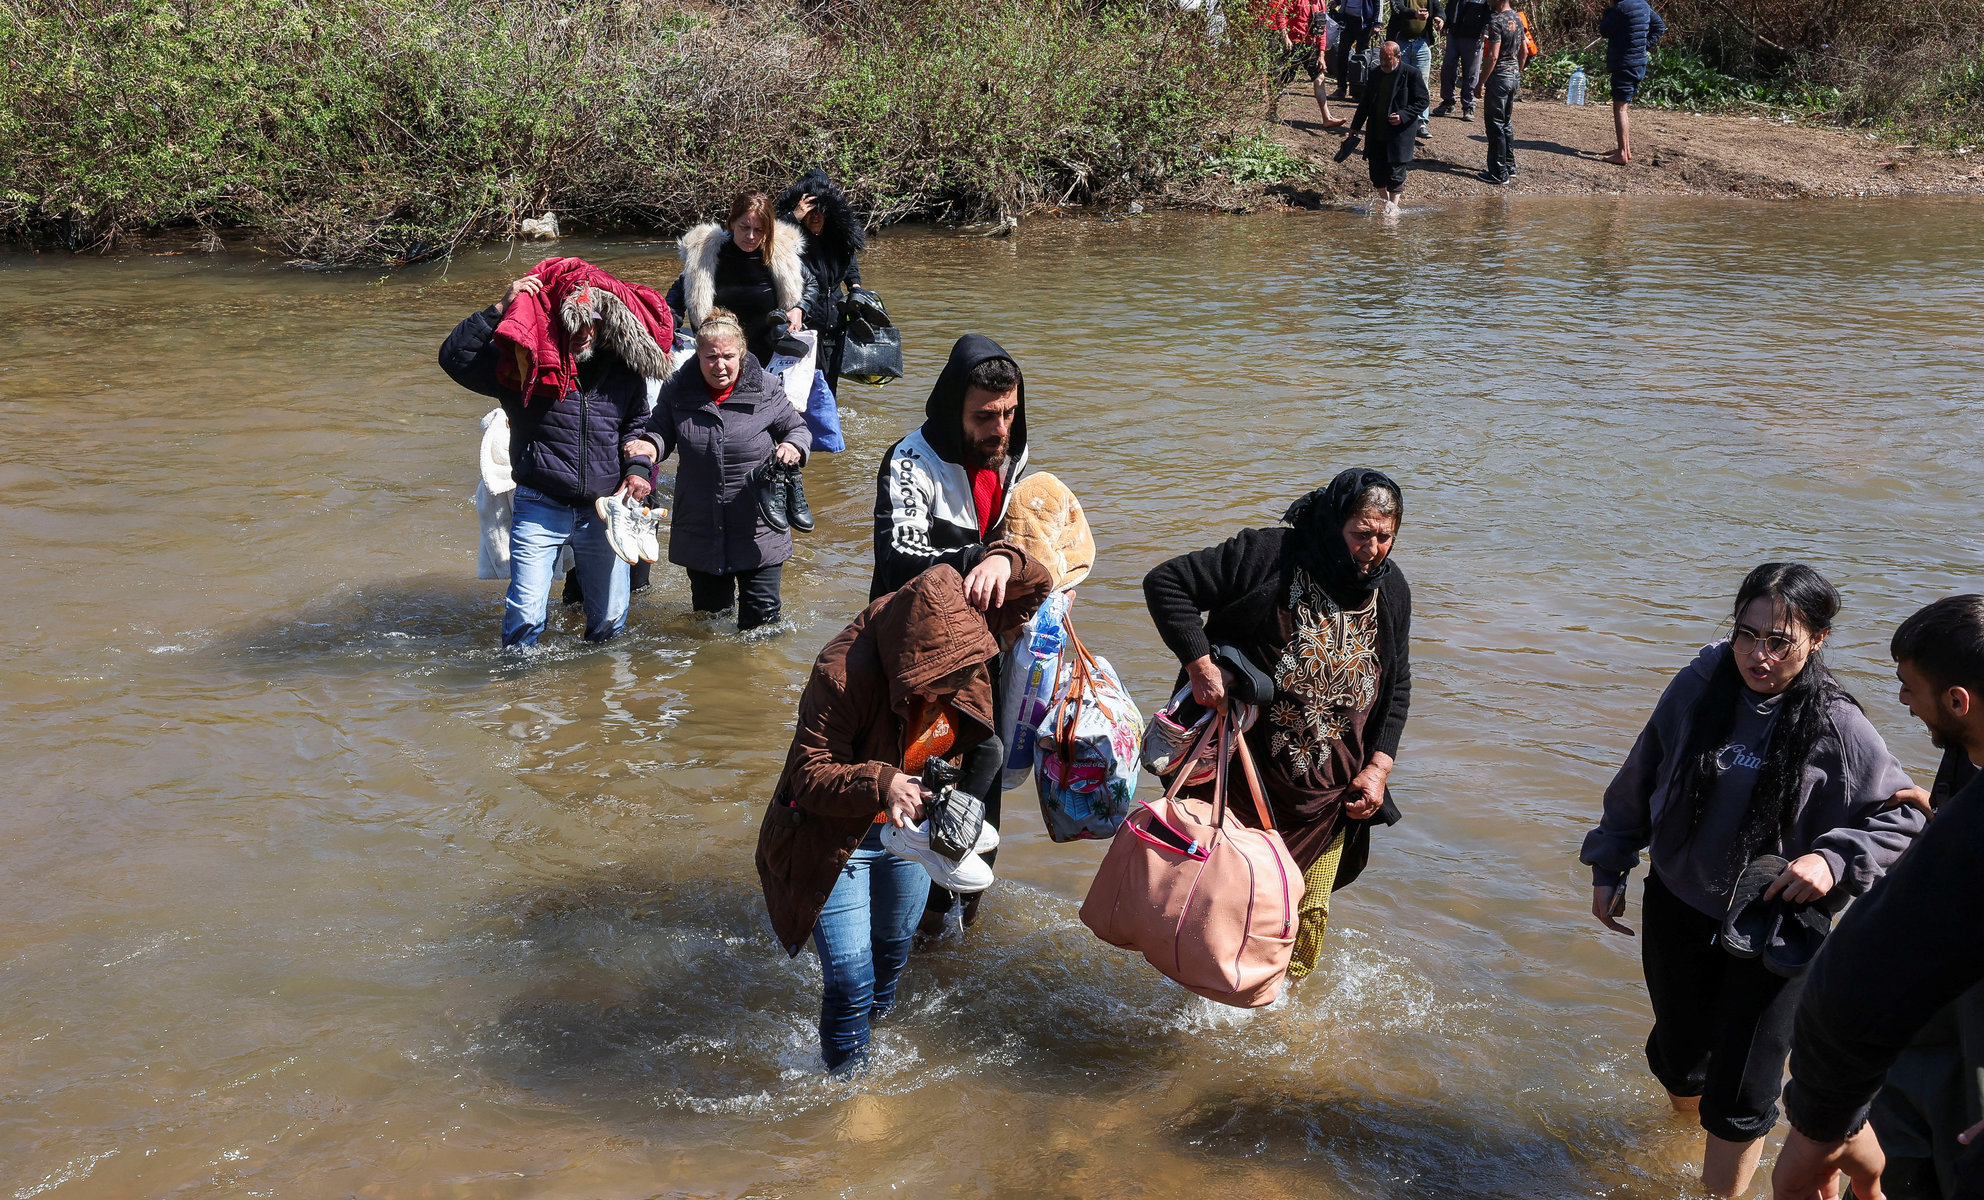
1559 149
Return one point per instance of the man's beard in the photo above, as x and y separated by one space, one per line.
1945 732
584 353
979 458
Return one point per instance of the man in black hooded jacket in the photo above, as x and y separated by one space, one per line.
939 498
943 489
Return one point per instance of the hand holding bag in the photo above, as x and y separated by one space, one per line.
1208 901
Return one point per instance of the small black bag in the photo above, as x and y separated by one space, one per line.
871 353
956 818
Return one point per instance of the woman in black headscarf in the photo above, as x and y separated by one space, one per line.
1320 609
834 238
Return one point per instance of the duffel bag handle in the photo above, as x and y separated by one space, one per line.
1254 785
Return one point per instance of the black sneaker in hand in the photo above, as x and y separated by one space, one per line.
796 509
768 488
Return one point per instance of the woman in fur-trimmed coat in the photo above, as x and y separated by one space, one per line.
751 266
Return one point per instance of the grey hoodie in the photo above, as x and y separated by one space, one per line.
1841 814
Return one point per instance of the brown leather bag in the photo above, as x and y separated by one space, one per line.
1208 901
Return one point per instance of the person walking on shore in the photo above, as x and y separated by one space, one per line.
1502 63
905 682
1321 612
1302 27
1392 108
569 351
1414 25
1757 781
1358 19
727 418
1631 30
1460 66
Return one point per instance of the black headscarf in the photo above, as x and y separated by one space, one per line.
1318 546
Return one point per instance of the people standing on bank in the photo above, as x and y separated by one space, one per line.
1754 755
1320 607
751 266
1394 103
1359 20
1460 65
1900 957
1414 25
1631 29
726 417
1503 58
1302 27
568 351
905 681
834 241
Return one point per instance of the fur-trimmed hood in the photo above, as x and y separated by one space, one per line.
620 332
843 229
699 249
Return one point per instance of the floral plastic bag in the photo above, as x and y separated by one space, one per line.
1086 750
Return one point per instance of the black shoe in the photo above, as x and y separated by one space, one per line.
1491 177
767 484
1751 921
1796 940
796 508
1446 106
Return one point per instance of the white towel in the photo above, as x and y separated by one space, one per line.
493 501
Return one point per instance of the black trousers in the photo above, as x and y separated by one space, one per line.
978 776
755 591
1721 1024
1501 105
1387 174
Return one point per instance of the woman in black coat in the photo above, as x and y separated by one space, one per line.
1321 609
726 416
834 239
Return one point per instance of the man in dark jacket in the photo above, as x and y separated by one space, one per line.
1905 950
1359 20
573 382
1414 25
1631 30
1461 64
1391 110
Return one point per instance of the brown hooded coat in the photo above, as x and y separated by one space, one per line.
851 733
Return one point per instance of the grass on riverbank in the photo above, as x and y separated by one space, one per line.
390 130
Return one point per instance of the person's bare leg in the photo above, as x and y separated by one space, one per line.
1687 1106
1727 1167
1622 125
1323 103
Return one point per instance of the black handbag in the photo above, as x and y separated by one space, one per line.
871 353
865 305
956 818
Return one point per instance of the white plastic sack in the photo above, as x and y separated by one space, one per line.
796 374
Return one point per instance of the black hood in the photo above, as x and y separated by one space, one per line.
843 223
943 413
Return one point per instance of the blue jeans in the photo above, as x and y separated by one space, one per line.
539 527
863 939
1418 54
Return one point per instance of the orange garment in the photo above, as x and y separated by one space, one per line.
936 732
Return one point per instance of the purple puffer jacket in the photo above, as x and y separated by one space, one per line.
715 525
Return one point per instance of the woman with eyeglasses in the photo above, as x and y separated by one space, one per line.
1754 750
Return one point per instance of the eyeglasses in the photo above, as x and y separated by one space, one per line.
1775 645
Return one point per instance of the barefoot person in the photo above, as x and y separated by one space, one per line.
905 682
1302 27
1898 957
1394 103
1755 760
1631 30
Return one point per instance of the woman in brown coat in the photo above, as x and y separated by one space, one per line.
906 681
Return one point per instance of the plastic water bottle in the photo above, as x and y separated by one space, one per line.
1574 90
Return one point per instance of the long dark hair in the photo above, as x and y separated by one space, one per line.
1801 718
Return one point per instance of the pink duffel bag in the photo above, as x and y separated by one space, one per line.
1208 901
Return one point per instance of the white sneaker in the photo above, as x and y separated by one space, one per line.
621 528
648 521
969 875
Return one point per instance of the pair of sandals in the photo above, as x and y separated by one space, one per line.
1784 935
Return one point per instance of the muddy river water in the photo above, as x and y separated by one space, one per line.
308 891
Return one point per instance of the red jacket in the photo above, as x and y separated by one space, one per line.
1301 20
540 363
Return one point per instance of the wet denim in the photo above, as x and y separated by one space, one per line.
863 939
539 528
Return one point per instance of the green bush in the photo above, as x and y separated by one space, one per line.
389 130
